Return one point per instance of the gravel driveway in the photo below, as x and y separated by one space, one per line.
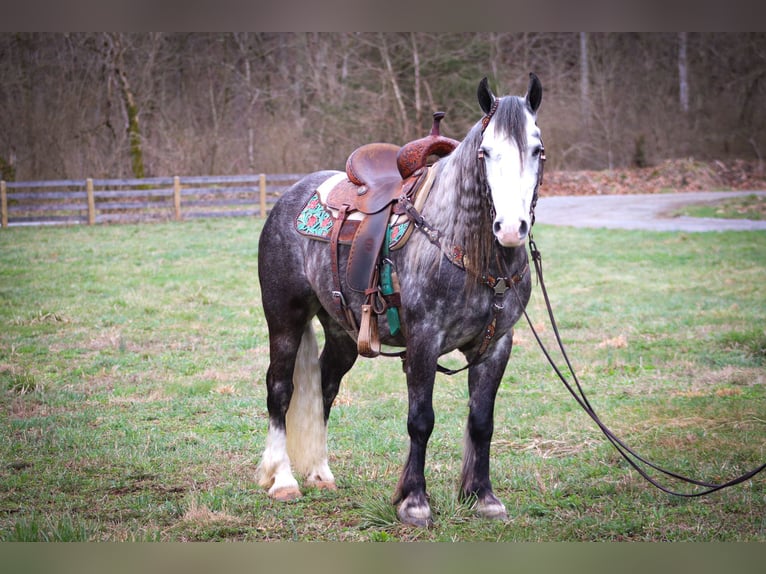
648 211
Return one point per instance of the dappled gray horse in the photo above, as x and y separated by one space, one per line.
461 281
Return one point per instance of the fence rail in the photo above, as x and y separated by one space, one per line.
92 201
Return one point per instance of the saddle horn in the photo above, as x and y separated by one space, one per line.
414 155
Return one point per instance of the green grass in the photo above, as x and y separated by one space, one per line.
742 207
132 398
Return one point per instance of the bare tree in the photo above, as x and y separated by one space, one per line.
683 73
115 54
416 77
584 79
392 78
112 104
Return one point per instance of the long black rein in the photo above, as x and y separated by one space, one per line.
627 453
630 455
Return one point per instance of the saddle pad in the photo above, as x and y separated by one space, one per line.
316 218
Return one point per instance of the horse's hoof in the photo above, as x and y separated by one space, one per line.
285 493
322 484
494 514
492 509
414 514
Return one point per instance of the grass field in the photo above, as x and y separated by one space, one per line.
132 397
743 207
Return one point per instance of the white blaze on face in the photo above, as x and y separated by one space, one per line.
512 179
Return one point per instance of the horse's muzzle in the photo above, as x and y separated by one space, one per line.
511 235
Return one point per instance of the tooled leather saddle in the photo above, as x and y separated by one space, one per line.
378 176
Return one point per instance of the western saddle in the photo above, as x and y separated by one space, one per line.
380 177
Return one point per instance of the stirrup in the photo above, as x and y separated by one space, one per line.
368 342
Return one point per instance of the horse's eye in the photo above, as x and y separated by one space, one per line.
484 153
537 151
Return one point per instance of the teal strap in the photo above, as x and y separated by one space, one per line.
387 286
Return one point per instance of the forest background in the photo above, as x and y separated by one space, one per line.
154 104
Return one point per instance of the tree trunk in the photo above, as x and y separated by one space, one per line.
133 128
584 80
405 125
416 66
683 73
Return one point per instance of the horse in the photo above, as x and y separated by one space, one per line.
464 281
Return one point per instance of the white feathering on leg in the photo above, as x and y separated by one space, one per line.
274 470
306 429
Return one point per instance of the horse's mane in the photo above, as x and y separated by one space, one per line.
460 206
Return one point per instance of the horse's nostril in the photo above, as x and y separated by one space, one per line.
498 225
523 229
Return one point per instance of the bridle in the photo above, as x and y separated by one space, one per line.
540 166
535 195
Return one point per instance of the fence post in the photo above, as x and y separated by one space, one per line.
3 205
91 201
177 196
262 180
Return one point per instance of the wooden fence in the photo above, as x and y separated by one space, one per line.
91 201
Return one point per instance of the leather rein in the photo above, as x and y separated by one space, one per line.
631 456
634 459
503 284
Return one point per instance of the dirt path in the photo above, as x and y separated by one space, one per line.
645 211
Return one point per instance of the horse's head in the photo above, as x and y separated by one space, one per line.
513 155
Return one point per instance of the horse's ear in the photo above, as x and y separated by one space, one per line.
486 97
534 93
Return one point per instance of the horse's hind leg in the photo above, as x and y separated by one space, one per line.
274 470
483 382
301 389
337 358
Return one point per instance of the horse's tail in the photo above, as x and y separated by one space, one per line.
305 425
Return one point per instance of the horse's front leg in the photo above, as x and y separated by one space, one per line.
411 493
483 382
